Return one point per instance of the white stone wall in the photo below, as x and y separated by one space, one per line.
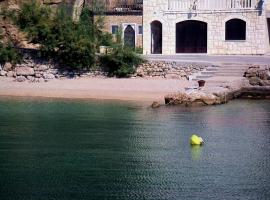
216 44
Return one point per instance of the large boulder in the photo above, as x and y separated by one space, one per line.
20 78
265 83
48 76
10 74
254 81
24 71
41 68
7 66
3 73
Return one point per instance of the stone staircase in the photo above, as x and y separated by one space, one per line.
223 70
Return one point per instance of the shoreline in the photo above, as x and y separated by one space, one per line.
139 90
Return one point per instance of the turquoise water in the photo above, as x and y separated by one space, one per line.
57 149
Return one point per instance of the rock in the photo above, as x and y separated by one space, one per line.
24 71
3 73
155 104
31 78
264 83
7 66
254 81
264 75
41 80
194 98
10 74
48 76
38 75
20 78
41 68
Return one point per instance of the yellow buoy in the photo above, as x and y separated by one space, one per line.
196 140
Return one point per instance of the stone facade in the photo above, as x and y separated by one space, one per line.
257 36
122 21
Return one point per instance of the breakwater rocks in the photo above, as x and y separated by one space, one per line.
37 73
29 71
218 94
169 70
258 75
34 72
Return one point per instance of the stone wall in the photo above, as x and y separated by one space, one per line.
169 70
216 44
258 75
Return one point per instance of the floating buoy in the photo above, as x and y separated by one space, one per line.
196 140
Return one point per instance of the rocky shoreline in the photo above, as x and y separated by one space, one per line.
255 84
36 72
169 70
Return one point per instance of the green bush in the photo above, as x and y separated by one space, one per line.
70 44
8 53
122 62
75 44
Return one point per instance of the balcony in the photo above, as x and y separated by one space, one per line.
212 5
119 6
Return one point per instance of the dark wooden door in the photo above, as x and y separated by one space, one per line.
191 37
129 37
156 37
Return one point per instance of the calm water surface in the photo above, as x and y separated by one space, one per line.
110 150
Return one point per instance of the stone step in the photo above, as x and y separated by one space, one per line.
235 75
212 69
203 77
232 68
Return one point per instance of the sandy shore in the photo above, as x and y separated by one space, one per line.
95 88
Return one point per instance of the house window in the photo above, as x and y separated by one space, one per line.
140 29
235 29
115 29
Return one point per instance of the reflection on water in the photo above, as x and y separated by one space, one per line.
109 150
196 152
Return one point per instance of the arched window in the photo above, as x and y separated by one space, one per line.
235 29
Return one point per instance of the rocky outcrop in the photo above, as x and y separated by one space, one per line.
169 70
211 95
258 75
194 98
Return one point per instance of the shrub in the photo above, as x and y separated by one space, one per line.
75 44
122 62
68 43
8 53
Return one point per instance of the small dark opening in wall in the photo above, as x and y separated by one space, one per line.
235 30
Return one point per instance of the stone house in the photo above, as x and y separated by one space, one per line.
206 26
125 16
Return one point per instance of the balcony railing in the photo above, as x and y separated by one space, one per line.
118 5
192 5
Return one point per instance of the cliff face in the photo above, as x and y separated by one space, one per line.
9 32
15 4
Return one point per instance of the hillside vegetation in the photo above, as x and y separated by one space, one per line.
74 45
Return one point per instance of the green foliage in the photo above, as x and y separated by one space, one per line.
139 50
9 54
74 44
122 62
